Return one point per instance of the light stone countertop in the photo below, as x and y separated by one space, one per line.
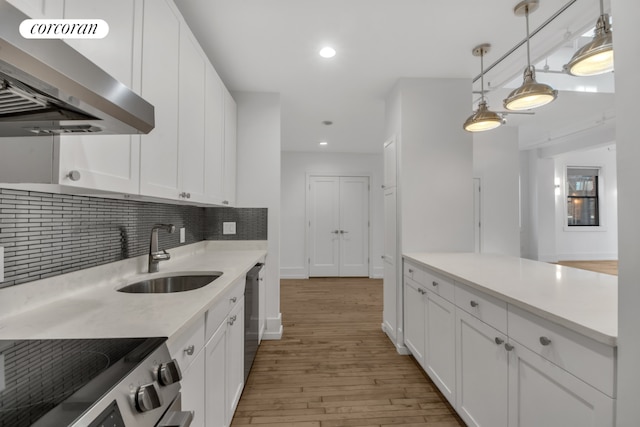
85 304
584 301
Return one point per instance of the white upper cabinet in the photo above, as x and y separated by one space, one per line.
190 155
214 136
106 162
39 9
191 120
95 162
230 146
159 174
389 164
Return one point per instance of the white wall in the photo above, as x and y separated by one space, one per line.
627 63
258 183
435 166
544 234
295 167
591 244
496 163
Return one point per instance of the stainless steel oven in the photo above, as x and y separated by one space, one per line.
115 382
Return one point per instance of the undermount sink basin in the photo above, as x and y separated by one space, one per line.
170 284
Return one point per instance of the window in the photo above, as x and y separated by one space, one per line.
582 197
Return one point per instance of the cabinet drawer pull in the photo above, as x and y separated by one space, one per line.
422 291
232 320
233 299
189 350
499 340
434 283
545 341
410 271
508 347
473 304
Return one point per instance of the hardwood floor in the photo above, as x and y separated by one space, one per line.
335 367
607 267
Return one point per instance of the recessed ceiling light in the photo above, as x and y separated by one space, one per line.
327 52
323 143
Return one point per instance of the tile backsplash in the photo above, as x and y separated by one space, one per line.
46 234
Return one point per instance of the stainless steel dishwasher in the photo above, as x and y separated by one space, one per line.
251 319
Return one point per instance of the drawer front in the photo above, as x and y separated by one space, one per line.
589 360
413 272
186 346
439 285
218 313
490 310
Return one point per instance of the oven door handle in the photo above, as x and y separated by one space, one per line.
176 419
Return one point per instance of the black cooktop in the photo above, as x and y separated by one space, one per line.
40 374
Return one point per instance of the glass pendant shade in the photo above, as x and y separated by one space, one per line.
596 57
531 94
483 119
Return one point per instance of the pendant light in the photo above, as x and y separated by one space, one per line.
596 57
483 119
531 94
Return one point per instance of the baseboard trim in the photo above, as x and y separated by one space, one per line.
274 328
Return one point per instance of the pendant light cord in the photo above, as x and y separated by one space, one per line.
482 74
526 14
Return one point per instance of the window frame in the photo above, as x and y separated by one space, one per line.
599 200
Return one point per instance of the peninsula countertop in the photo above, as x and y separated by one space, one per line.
584 301
86 304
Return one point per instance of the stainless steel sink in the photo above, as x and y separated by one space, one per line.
170 284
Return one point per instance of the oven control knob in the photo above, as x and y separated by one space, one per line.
169 373
148 397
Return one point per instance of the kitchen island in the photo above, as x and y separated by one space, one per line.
511 341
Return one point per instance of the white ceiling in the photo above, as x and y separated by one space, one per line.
272 46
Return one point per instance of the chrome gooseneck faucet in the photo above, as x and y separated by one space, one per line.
155 255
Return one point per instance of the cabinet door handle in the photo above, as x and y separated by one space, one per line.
473 304
189 350
225 202
508 347
499 340
422 291
233 299
410 271
232 320
434 283
545 341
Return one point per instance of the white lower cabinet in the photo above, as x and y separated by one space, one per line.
414 319
543 394
213 373
262 303
215 388
192 384
440 344
482 364
500 365
235 358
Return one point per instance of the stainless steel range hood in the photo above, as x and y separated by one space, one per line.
47 87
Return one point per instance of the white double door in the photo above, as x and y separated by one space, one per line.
338 229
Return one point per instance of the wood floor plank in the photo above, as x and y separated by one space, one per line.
335 367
